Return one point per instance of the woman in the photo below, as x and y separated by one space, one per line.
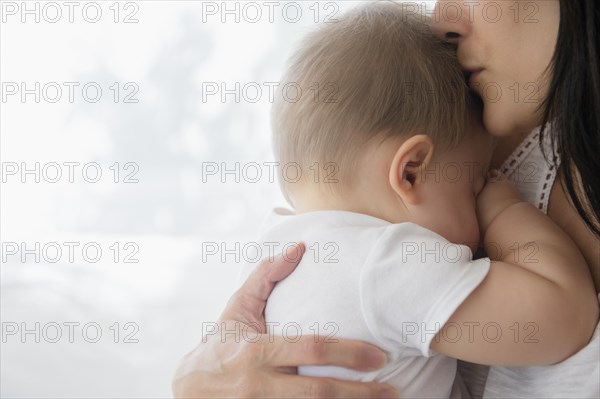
533 63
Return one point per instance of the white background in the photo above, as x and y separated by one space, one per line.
171 133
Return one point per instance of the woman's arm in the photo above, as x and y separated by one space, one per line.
537 297
223 365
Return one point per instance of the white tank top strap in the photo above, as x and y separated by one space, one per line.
529 170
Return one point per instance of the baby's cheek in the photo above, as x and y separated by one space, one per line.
470 231
474 238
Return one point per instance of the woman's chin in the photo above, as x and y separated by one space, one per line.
504 121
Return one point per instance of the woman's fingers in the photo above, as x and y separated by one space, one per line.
241 358
315 387
248 303
343 353
263 279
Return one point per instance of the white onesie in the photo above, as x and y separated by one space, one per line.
363 278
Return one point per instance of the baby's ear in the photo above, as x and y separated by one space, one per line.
413 156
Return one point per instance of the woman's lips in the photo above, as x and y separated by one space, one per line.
473 75
472 72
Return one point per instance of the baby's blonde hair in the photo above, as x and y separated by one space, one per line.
376 72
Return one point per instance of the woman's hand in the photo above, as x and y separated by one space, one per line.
254 364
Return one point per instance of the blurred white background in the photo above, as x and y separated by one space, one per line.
155 63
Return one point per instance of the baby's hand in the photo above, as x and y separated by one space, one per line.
497 195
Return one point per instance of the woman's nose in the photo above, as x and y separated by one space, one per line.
451 20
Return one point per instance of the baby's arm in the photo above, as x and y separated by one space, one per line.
538 290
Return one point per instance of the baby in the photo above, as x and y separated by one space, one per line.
391 204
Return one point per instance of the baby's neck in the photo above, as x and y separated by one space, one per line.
356 201
322 204
369 192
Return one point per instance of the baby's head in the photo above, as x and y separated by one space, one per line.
375 113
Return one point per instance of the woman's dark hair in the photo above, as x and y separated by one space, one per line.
571 111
